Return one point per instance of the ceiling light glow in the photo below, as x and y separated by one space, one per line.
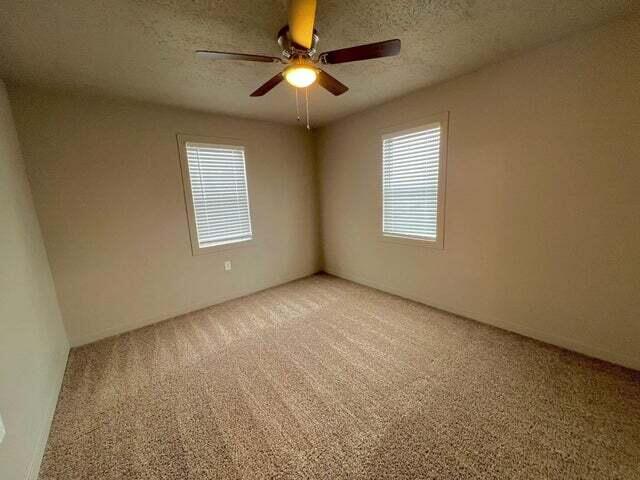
300 76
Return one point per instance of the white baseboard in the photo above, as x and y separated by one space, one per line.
57 372
116 329
559 341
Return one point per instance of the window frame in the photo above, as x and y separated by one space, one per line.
441 119
228 142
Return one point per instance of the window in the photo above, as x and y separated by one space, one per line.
413 183
215 183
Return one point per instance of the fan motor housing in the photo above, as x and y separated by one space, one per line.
290 49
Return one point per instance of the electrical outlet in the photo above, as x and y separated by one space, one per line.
227 265
2 431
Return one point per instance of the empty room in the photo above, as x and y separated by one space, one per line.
300 239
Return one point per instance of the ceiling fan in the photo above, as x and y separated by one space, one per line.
298 41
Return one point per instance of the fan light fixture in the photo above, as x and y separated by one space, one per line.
304 66
300 76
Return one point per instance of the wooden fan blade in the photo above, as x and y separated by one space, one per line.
302 16
211 55
329 83
268 85
388 48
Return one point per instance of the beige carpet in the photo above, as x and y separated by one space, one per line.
323 378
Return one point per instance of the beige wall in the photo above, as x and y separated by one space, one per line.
107 187
33 344
542 223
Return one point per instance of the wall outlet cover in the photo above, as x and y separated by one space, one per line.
227 265
2 430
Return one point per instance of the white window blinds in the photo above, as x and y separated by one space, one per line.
411 168
219 192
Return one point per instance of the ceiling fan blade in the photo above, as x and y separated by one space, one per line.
268 85
388 48
329 83
302 16
211 55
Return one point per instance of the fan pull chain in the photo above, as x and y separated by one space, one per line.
306 94
297 107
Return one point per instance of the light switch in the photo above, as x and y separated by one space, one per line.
2 430
227 265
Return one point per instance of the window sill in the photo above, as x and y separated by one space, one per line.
219 247
412 241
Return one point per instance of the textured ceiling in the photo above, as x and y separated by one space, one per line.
143 49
